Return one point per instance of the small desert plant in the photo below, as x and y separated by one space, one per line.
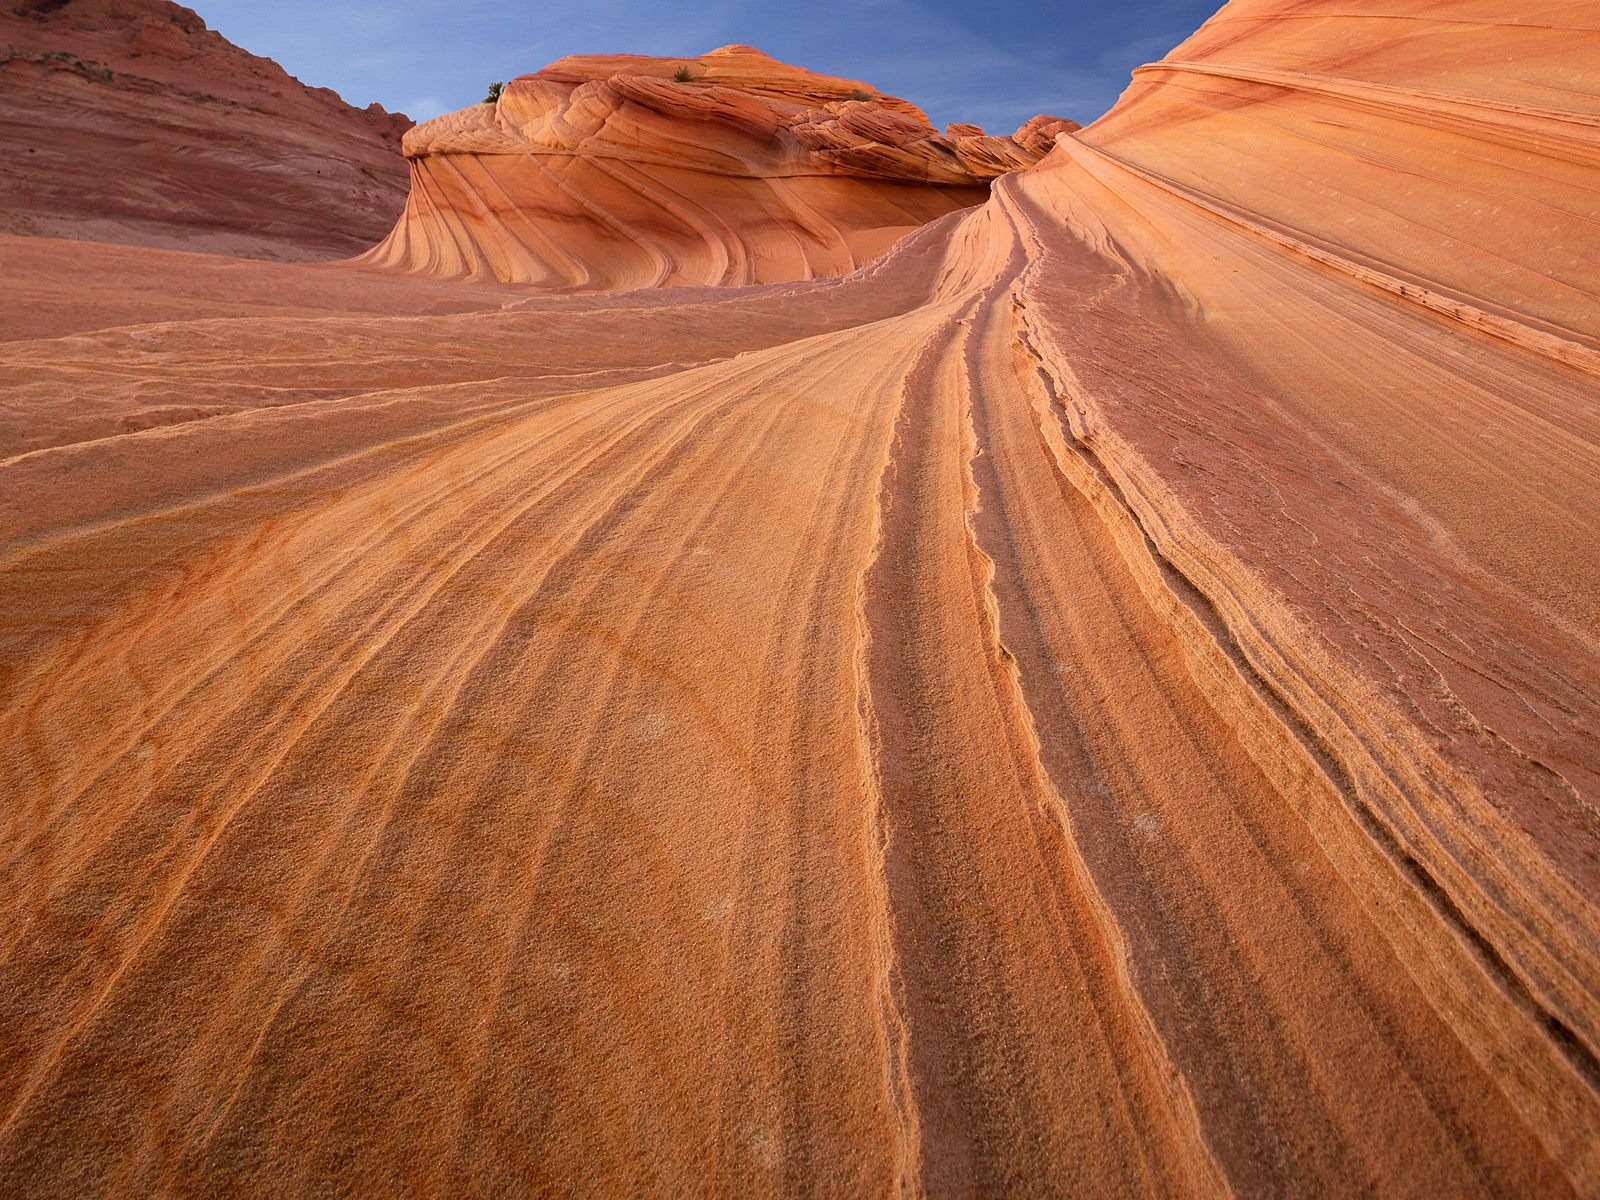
681 75
858 94
494 93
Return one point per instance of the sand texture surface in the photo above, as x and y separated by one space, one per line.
129 121
1100 700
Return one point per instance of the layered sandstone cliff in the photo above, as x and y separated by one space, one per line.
130 121
626 171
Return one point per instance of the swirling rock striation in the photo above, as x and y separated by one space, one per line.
610 172
1339 369
129 121
1102 700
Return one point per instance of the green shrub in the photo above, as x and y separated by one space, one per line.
858 94
494 93
682 75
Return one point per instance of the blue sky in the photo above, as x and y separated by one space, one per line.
994 62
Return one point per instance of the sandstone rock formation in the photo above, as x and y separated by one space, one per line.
130 121
1103 700
1319 302
607 172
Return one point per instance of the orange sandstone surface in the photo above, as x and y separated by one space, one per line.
623 171
1101 699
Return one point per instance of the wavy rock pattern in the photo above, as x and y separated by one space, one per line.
1101 701
609 172
129 121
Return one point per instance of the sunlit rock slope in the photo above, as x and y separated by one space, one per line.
1101 701
625 171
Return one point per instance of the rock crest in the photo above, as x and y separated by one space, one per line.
611 171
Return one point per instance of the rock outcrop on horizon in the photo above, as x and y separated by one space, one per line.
1103 700
129 121
613 172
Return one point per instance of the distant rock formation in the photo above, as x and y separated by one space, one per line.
732 168
130 121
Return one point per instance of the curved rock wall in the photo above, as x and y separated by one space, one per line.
602 173
1447 152
1318 304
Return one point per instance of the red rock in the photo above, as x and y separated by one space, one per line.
1038 134
130 121
1102 701
609 172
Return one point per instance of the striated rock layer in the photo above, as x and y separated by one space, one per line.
1104 700
613 172
1366 243
130 121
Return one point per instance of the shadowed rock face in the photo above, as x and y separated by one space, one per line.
610 172
129 121
1103 700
